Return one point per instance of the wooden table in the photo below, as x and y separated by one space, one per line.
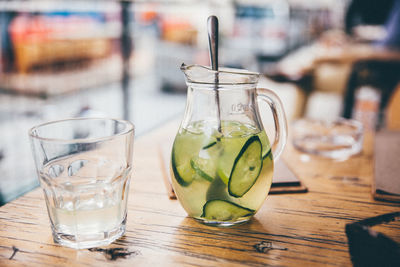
304 229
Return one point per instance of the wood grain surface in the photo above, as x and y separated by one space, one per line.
289 230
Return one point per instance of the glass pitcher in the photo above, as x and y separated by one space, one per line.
222 161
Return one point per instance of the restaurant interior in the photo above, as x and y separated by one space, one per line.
327 60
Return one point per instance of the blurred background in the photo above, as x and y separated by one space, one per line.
121 59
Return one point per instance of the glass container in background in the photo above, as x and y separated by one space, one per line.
366 108
338 139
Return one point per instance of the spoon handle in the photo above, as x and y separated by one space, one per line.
212 26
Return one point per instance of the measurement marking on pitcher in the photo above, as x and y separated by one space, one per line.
241 108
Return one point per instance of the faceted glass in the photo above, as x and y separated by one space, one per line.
84 168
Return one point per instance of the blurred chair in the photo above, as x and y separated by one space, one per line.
393 111
382 74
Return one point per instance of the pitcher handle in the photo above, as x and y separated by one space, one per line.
281 130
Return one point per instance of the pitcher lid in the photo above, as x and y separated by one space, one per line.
226 76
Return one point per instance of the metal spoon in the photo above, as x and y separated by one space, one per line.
212 27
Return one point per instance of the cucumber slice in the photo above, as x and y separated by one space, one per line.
231 148
222 210
209 145
267 154
184 173
246 168
201 165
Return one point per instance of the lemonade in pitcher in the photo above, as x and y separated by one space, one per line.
221 176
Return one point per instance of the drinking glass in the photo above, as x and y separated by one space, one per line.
84 167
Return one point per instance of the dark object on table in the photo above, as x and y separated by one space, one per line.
285 181
370 248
